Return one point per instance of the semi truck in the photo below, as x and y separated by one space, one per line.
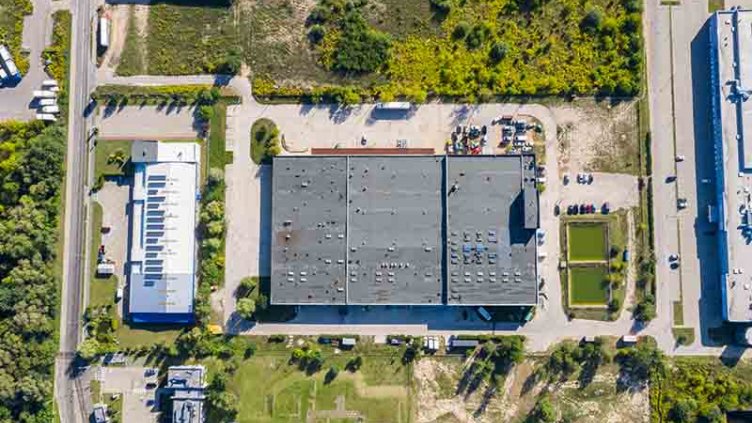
48 102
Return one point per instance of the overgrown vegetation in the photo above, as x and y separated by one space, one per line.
31 168
700 389
57 56
12 14
465 50
265 142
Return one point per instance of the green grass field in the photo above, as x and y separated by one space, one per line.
588 286
587 241
102 290
271 389
103 151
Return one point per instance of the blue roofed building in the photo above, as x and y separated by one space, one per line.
162 265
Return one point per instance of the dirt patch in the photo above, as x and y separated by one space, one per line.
517 394
120 19
597 137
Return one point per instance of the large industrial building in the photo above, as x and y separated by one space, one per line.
731 82
404 230
162 274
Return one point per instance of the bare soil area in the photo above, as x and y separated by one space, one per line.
120 17
599 401
597 137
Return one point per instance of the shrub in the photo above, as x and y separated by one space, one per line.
441 6
461 30
477 36
360 49
498 52
316 33
233 62
206 113
543 412
592 21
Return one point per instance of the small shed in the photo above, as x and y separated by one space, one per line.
105 269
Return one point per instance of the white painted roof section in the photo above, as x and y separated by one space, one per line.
163 213
734 157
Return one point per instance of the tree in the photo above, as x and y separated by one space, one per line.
355 363
645 309
117 158
461 30
498 52
233 62
316 34
682 410
246 307
592 21
206 112
248 283
89 349
222 405
543 412
642 362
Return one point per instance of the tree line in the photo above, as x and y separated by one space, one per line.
31 171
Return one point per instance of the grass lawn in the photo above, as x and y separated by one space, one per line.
103 151
714 5
263 132
271 389
101 290
134 335
587 285
683 335
218 157
587 241
678 308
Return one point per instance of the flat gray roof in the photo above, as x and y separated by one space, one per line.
731 43
371 229
394 230
308 230
491 251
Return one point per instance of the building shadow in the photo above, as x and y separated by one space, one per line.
709 304
264 174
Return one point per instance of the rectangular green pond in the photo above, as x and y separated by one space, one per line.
587 241
587 285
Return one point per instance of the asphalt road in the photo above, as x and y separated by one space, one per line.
678 78
68 387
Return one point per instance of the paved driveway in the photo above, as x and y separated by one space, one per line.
138 402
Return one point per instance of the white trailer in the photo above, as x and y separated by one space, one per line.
46 117
12 69
44 94
394 105
49 83
3 74
104 32
5 54
48 102
51 109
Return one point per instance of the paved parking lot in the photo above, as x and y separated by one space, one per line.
148 122
138 402
16 102
619 190
428 125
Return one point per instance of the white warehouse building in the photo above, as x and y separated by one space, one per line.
162 269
